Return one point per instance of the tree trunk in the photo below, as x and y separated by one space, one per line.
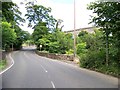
107 49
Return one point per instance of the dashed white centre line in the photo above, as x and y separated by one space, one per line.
26 55
40 65
52 84
44 69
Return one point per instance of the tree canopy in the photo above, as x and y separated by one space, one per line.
38 13
10 12
12 34
108 18
8 35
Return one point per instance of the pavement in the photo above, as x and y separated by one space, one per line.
32 71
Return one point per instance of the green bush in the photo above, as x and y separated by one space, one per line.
81 49
54 47
95 60
91 49
70 52
111 69
2 64
92 60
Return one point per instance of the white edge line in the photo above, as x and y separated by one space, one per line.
9 66
52 84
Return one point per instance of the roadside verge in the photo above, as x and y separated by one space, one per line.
70 62
10 63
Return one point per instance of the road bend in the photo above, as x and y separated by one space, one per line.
33 71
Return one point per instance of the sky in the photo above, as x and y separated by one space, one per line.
64 9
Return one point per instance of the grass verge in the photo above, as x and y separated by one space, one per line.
2 64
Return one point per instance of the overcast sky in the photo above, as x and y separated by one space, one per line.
64 9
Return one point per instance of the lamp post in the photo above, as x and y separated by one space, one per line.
74 30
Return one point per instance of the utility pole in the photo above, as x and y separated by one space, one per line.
74 29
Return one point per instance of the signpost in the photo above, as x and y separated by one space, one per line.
40 47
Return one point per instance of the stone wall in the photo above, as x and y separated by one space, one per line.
2 55
56 56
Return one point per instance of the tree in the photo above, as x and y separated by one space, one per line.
108 18
38 13
22 36
58 23
10 12
41 21
45 43
91 50
47 30
40 31
11 17
63 41
7 12
8 35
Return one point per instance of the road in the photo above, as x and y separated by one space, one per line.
33 71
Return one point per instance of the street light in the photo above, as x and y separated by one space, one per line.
74 30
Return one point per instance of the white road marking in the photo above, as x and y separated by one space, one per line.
52 84
9 66
26 55
40 65
44 69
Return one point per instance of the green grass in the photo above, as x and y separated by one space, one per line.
2 64
109 70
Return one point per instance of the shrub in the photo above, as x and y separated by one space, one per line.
93 59
81 49
70 51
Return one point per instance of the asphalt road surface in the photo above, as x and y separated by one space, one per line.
33 71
